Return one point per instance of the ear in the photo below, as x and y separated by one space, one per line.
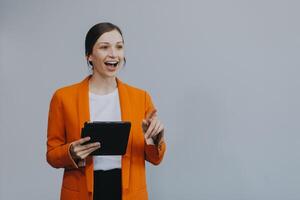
89 58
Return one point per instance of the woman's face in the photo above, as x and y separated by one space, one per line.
108 54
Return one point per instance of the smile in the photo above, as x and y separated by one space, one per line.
111 63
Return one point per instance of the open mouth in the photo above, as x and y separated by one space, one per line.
111 63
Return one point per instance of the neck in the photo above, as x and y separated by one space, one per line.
102 85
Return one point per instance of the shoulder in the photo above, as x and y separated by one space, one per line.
67 91
134 88
135 91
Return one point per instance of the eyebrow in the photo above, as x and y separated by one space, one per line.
109 43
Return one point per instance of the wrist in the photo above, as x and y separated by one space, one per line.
72 153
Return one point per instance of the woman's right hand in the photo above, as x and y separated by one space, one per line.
79 151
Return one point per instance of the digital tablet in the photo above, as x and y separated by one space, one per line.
112 135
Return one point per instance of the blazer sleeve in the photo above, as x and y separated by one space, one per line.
153 153
58 154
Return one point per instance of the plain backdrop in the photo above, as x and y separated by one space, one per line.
224 75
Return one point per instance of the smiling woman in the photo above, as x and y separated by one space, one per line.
103 97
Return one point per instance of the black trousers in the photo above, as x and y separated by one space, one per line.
107 185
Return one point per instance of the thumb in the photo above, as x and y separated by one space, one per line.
144 124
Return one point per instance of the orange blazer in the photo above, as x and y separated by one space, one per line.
69 109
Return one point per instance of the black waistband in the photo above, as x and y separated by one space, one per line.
117 170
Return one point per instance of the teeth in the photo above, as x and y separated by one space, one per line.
111 62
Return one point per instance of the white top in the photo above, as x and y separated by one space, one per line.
105 108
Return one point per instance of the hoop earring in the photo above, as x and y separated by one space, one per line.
124 62
90 67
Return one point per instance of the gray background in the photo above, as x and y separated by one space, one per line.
223 74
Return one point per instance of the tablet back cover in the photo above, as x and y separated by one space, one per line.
113 136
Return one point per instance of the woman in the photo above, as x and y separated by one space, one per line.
103 97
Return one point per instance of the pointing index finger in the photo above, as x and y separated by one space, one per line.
151 114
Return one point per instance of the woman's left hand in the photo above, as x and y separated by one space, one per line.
152 127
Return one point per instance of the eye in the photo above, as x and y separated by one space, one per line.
103 47
119 46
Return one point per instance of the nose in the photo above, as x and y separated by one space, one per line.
112 52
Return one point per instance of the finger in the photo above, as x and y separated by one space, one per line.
81 141
150 128
144 125
89 151
151 114
161 129
85 153
155 129
159 133
87 146
154 117
145 122
79 147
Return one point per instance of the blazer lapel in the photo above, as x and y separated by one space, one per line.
126 116
84 116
